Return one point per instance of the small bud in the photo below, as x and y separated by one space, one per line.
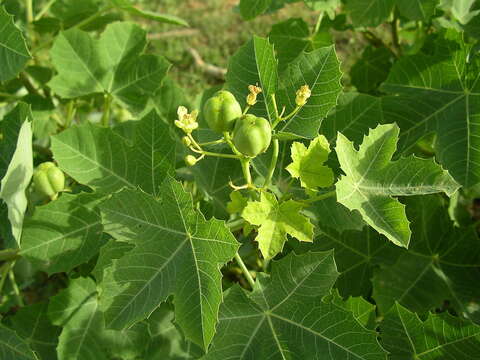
186 141
190 160
302 95
252 97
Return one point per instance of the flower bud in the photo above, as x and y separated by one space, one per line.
302 95
190 160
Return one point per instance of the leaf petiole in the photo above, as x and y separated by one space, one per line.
273 163
245 271
320 197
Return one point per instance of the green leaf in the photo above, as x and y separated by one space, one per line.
362 310
13 49
276 221
357 254
354 116
113 250
463 10
71 240
32 324
420 10
372 179
126 5
319 70
176 252
84 336
440 336
250 9
102 159
254 63
372 69
237 202
440 94
17 166
285 318
113 65
330 213
308 163
13 347
441 264
292 37
370 12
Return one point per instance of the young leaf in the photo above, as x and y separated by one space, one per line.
308 163
276 221
113 65
177 252
33 325
440 336
13 346
104 160
237 202
320 70
17 167
441 264
285 318
372 179
440 94
254 63
72 239
13 49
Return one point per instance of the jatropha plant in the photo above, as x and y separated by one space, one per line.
301 212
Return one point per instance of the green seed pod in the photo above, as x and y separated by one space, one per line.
252 135
190 160
221 111
48 180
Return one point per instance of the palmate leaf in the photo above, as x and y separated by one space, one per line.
285 317
308 163
420 10
441 265
16 168
357 253
372 68
102 159
113 65
13 49
254 63
176 252
33 325
441 94
372 179
84 335
331 214
72 239
440 336
13 347
275 221
320 70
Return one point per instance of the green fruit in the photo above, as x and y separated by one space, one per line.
221 111
48 179
252 135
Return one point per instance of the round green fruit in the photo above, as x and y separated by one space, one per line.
252 135
221 111
48 180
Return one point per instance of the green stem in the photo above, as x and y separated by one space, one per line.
11 275
106 111
273 163
93 17
236 225
208 153
274 101
246 109
320 197
246 170
70 113
29 7
44 9
245 271
220 141
228 139
319 22
279 119
5 269
394 29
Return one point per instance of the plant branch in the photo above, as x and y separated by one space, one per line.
106 111
320 197
273 163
